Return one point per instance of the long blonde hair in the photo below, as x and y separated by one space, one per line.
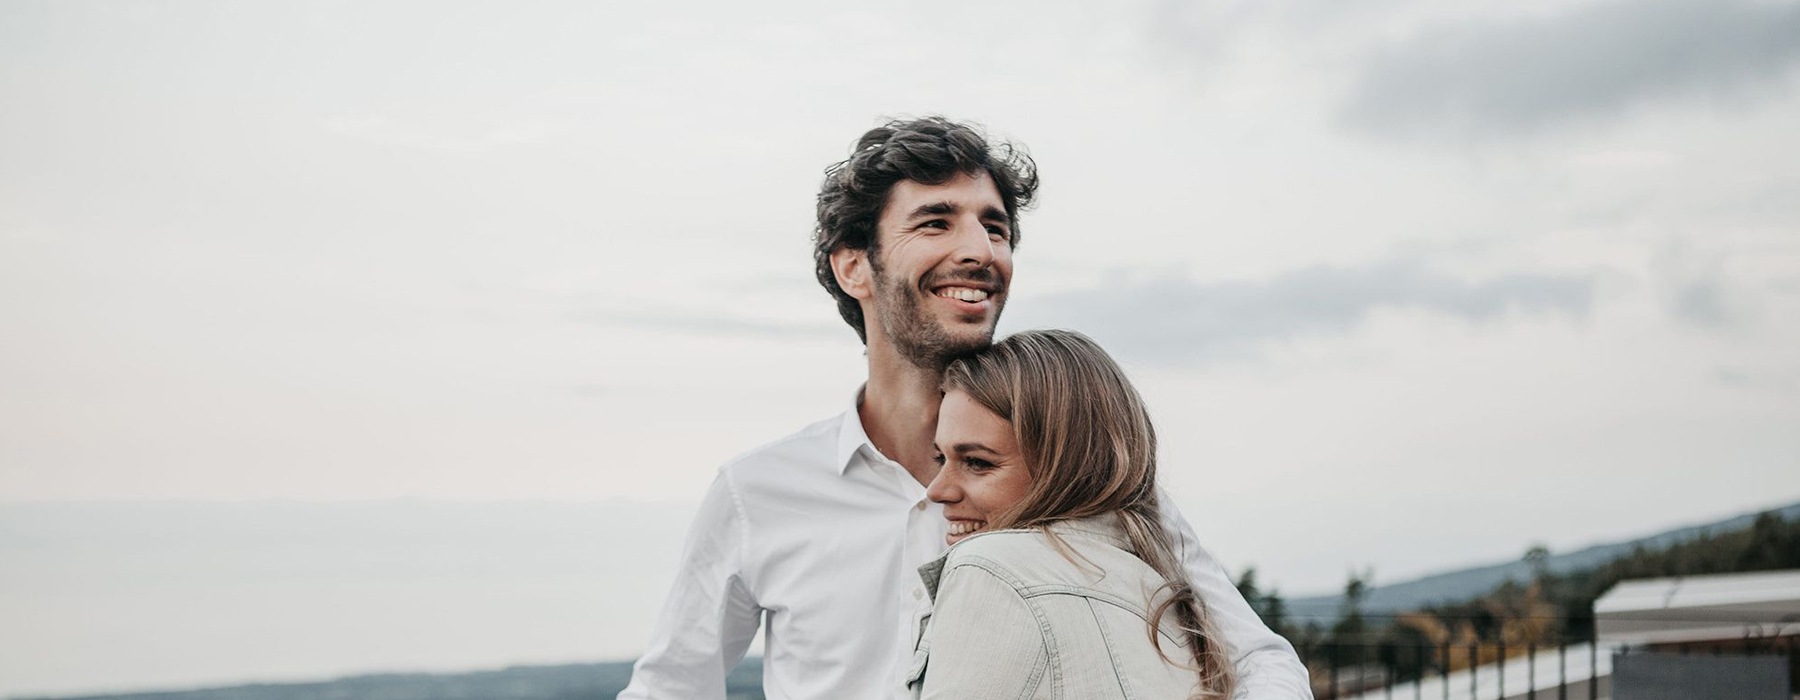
1086 438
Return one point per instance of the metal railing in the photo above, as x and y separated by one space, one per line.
1574 670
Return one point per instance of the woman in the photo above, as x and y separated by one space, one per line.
1060 582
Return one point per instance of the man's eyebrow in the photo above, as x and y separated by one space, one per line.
988 213
932 209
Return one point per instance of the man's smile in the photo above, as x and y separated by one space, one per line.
966 301
969 293
962 293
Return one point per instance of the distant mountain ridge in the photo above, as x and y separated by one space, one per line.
1468 583
485 550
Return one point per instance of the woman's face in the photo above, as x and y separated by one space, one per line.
982 474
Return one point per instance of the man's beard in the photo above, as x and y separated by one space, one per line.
922 341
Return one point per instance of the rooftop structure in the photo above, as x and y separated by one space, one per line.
1651 612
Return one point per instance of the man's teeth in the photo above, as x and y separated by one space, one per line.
963 527
962 294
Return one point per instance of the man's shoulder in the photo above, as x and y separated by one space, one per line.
813 446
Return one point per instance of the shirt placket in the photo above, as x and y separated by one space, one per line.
924 542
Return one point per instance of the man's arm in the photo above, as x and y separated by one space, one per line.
1267 667
710 616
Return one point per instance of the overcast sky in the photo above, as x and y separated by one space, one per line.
1408 284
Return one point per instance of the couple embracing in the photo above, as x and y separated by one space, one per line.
983 521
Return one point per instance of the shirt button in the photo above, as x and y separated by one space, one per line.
918 594
921 505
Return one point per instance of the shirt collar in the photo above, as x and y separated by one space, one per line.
851 436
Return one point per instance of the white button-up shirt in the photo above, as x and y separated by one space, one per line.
820 537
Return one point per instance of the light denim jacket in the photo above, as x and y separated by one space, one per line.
1015 617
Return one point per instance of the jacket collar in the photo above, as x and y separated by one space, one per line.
1104 527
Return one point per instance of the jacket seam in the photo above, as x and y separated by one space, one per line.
1051 663
1112 653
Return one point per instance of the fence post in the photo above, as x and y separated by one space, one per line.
1446 671
1332 661
1419 678
1501 666
1390 656
1531 671
1594 667
1474 663
1562 668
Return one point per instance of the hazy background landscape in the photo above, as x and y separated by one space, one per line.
345 337
293 595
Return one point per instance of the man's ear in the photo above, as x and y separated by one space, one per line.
851 266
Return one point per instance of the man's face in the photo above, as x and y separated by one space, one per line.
942 266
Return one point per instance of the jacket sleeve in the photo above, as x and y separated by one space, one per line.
710 615
983 641
1267 667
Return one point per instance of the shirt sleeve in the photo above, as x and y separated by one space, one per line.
1267 667
984 642
710 615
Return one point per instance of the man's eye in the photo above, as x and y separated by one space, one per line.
998 232
939 459
937 223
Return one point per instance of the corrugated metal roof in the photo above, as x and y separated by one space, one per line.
1687 592
1750 606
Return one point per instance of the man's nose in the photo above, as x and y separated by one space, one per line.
973 244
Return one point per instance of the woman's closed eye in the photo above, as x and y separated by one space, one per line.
977 464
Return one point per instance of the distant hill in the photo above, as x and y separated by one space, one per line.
1469 583
596 681
285 590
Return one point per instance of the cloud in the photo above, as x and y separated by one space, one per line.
1770 380
1175 319
1699 293
715 324
1701 303
1594 62
464 135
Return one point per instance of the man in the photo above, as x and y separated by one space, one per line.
819 535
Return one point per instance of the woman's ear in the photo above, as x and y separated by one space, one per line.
851 266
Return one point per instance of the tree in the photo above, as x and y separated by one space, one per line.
1268 605
1246 585
1274 614
1771 544
1539 559
1350 628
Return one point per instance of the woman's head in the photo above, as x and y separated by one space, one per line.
1042 426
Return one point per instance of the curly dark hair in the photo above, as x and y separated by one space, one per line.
931 151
